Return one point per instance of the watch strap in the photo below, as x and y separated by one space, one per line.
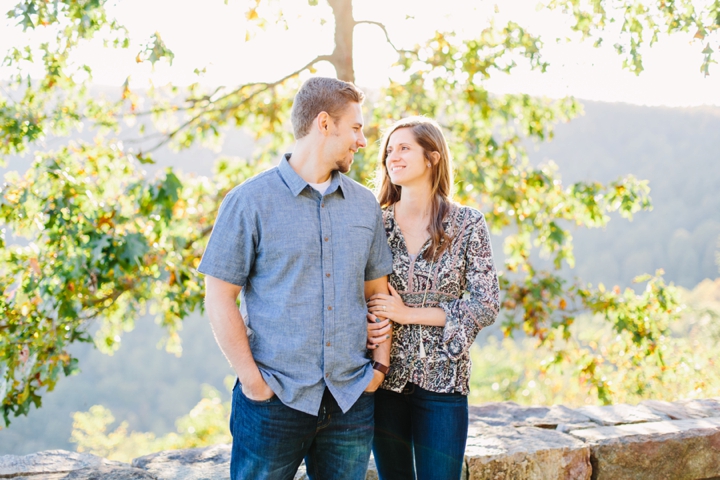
380 367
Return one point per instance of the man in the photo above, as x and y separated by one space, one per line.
306 246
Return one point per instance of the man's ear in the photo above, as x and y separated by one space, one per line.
322 122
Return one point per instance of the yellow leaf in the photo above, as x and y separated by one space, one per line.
251 14
35 266
24 394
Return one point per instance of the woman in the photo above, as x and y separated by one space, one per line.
444 289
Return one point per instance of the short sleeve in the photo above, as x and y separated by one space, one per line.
380 261
230 252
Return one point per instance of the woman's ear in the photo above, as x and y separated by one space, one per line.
435 157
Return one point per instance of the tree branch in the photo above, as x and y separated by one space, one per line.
387 35
177 108
265 86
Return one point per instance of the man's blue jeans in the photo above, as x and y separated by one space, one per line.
420 434
271 439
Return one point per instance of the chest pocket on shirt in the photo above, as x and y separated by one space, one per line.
356 243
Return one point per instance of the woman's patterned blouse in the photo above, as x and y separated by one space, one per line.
463 282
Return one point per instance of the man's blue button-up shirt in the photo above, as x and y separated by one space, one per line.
302 259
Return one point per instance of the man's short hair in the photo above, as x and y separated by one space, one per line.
321 94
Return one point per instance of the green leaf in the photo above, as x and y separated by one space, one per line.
144 158
97 252
71 367
132 250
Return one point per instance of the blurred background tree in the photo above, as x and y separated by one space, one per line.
206 424
93 241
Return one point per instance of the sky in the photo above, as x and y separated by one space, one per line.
211 35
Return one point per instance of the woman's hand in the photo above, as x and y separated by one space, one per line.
390 307
378 331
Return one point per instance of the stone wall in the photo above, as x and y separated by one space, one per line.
653 440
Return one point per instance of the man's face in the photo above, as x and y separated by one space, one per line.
347 138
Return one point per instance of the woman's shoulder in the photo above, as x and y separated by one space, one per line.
463 214
387 211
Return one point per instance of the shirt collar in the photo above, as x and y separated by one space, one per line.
296 184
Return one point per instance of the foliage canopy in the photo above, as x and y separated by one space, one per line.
95 239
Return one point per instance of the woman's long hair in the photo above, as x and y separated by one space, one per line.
429 136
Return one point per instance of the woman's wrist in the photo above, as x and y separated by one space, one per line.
407 316
430 316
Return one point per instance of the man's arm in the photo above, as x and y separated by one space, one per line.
381 354
231 335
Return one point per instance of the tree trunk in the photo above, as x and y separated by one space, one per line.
342 56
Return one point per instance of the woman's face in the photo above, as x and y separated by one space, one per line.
405 161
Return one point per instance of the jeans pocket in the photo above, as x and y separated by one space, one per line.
259 402
254 402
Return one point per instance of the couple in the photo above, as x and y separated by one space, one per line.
310 252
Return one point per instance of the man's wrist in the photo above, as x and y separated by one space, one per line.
251 380
384 369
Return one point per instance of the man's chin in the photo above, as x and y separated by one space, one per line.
343 167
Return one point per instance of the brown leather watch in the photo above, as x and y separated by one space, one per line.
380 367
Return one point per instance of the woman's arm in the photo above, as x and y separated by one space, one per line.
462 318
479 307
392 307
378 331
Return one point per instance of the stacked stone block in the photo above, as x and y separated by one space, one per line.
652 440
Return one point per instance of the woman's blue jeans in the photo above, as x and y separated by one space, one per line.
270 439
420 434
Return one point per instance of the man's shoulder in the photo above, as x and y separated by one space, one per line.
254 185
357 190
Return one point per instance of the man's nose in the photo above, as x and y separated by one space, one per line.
362 141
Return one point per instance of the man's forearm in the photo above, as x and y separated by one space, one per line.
231 335
381 354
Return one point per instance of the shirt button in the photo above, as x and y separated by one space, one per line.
322 205
327 375
326 239
329 308
327 275
327 344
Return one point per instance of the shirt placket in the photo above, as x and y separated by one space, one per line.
329 305
414 332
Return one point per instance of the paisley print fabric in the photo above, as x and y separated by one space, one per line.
463 282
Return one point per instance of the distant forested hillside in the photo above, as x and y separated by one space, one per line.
143 385
677 150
